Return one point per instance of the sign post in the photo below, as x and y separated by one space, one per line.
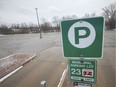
83 38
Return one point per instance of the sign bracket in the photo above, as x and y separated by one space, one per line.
77 84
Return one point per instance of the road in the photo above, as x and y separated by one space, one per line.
48 65
106 67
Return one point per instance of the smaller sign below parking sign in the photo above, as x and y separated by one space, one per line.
83 70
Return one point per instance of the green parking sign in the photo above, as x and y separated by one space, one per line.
83 70
83 37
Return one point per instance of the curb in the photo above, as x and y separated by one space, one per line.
63 77
11 73
14 71
29 60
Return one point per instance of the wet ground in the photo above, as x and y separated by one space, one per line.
26 43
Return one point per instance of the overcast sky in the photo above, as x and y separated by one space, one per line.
18 11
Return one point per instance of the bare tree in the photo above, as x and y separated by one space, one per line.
15 26
86 15
89 15
33 28
110 15
23 28
69 17
4 29
45 26
93 15
56 22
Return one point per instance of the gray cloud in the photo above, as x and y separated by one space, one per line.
12 11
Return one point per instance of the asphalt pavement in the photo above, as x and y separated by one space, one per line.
27 43
48 65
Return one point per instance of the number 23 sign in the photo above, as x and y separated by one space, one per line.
83 70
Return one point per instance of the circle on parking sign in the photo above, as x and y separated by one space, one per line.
81 34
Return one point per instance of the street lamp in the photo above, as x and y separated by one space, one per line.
38 22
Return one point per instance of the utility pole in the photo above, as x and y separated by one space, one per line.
38 22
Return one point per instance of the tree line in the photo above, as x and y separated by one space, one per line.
109 12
